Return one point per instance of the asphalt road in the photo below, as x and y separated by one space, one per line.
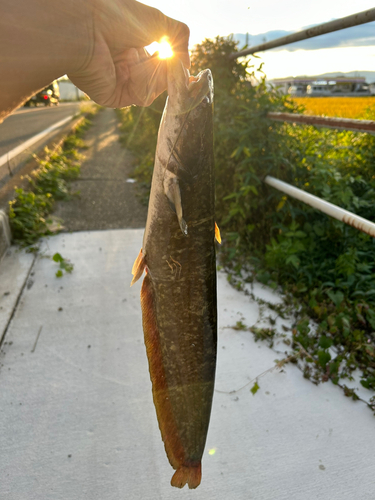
27 122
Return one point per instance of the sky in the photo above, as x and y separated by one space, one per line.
207 19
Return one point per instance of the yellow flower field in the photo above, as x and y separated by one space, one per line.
343 107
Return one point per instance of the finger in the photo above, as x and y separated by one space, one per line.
107 82
178 34
130 56
145 76
156 25
143 54
148 80
132 77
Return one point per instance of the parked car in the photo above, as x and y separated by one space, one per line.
319 90
49 96
296 90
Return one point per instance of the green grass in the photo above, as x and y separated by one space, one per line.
29 211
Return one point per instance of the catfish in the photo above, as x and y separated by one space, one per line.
178 295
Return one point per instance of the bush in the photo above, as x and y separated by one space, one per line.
29 210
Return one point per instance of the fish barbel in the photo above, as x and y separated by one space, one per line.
178 295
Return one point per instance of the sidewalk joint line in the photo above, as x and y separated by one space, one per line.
37 338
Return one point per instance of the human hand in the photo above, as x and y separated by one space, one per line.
119 71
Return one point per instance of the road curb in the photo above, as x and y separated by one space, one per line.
18 161
21 161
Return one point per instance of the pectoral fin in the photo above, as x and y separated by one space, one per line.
173 193
138 267
217 234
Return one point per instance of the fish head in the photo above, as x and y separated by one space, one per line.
188 116
186 92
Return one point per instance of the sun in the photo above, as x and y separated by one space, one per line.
164 49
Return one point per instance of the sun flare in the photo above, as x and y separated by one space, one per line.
164 49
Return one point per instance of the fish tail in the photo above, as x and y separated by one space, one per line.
190 474
164 412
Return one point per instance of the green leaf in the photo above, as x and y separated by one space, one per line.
365 383
237 152
67 267
294 260
323 357
255 388
325 342
281 203
319 230
57 257
59 274
370 316
336 298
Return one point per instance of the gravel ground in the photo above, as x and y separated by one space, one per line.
106 200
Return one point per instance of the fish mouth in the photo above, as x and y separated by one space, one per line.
186 90
201 87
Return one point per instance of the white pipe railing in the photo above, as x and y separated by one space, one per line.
334 211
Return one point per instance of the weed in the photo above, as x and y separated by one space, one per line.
27 215
64 265
239 326
255 388
29 210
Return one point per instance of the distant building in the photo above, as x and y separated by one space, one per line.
322 86
372 88
69 92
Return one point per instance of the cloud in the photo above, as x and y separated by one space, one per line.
357 36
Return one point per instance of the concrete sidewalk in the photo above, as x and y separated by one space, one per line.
77 420
107 200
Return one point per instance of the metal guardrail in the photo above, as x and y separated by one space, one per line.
338 213
321 29
334 211
367 126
